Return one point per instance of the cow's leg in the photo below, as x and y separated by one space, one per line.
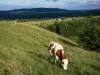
56 59
50 52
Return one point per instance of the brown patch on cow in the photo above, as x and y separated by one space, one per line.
60 54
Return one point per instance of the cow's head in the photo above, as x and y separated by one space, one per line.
64 63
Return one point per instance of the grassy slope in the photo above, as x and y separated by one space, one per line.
23 51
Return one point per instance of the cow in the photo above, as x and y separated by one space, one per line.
14 22
57 50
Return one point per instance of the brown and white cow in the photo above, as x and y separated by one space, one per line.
57 50
14 23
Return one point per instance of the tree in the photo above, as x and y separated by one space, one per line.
90 37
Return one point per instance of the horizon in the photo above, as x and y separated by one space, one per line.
50 8
61 4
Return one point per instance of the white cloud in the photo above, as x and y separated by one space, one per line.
55 5
82 2
35 3
50 4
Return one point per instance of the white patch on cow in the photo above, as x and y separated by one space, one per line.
56 46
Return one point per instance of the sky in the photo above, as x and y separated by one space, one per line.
62 4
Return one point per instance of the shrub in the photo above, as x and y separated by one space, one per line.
90 37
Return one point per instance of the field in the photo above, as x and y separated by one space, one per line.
23 51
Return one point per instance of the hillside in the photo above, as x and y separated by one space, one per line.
38 13
23 51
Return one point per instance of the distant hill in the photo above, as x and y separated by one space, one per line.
44 10
38 13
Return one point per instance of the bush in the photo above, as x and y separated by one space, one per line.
90 37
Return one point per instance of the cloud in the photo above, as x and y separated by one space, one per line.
84 4
66 4
18 2
33 3
55 5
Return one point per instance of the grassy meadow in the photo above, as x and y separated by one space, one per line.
24 51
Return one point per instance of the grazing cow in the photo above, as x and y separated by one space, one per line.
56 50
14 22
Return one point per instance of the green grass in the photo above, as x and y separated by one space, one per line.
23 51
